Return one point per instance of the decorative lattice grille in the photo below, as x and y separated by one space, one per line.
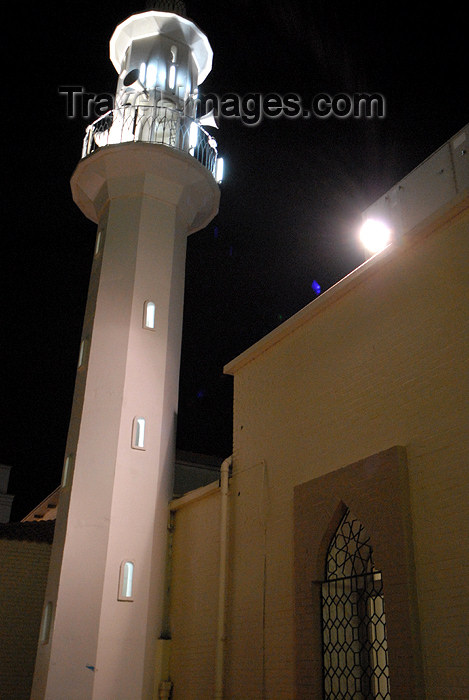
355 659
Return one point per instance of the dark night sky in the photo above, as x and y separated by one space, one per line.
290 205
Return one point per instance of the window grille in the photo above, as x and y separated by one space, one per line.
355 658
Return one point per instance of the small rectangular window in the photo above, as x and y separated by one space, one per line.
46 624
172 77
83 352
149 315
99 240
67 471
126 581
138 433
219 170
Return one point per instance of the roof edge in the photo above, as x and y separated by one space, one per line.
370 267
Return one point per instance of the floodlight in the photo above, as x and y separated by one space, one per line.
375 235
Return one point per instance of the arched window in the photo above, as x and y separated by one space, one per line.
172 68
355 658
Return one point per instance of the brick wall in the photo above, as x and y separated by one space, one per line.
23 574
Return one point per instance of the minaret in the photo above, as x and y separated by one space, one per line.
147 177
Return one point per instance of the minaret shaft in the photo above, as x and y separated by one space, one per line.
145 199
147 178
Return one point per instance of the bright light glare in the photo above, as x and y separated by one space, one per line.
150 78
219 170
193 137
375 235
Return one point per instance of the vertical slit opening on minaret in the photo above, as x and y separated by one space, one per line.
97 248
82 353
126 580
46 623
138 433
66 471
149 315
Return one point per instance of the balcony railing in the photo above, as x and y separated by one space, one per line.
152 124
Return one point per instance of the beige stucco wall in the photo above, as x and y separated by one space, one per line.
374 491
382 363
23 574
194 595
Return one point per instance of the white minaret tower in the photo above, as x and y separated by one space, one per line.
147 178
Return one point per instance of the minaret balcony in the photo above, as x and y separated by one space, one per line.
153 124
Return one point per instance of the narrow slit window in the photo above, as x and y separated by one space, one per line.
46 624
219 170
172 76
149 315
82 353
172 68
99 238
138 433
67 470
126 581
151 75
